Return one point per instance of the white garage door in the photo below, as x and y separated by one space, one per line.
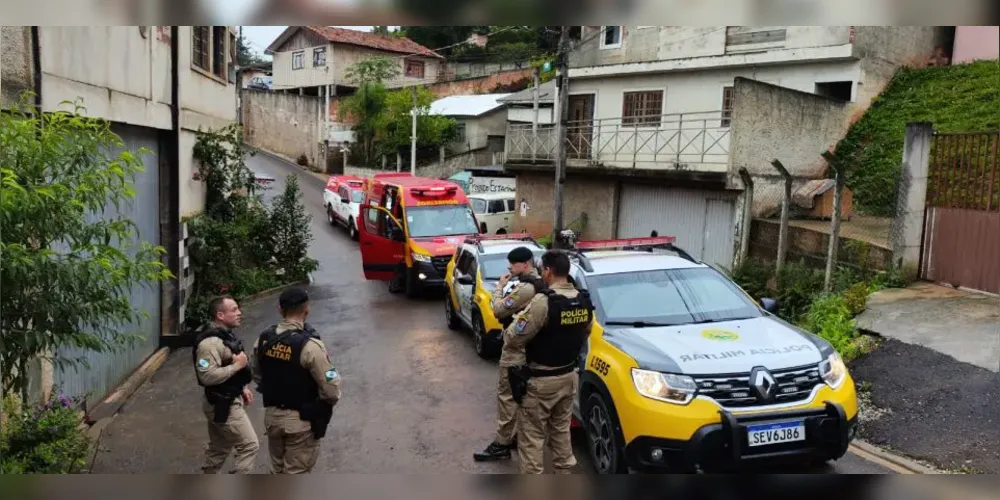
702 221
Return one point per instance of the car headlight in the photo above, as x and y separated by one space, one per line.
419 257
666 387
833 370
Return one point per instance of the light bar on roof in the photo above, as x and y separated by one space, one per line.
629 242
484 237
435 191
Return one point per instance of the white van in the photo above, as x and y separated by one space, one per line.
494 211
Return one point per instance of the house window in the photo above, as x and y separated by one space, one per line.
642 108
611 38
298 59
319 57
210 51
415 69
727 105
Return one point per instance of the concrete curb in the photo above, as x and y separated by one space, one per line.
112 403
888 459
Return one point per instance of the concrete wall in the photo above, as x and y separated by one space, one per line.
594 196
286 124
976 42
774 122
657 43
16 69
477 129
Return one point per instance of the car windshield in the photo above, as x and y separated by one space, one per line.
495 266
357 196
440 220
669 297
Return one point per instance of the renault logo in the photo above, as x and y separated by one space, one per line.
762 384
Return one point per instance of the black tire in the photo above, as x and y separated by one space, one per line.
602 429
352 230
478 333
449 313
411 286
501 231
330 219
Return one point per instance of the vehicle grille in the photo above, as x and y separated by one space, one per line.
733 391
441 264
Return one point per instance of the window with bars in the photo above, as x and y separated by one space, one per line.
298 59
415 69
211 51
642 108
319 57
727 105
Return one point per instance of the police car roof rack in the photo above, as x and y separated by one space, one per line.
477 239
664 242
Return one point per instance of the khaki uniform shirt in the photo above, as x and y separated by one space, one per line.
316 361
506 306
218 369
530 321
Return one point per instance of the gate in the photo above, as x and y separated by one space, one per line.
961 244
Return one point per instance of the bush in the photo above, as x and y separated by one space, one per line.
46 439
798 285
289 226
752 275
830 317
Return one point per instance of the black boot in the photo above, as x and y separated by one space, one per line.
494 451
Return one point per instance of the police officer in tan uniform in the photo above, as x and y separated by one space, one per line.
552 329
221 368
510 297
299 384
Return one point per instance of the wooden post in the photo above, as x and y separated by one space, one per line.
786 202
831 258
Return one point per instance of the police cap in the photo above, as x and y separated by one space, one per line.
520 254
292 298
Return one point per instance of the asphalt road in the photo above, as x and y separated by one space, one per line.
416 396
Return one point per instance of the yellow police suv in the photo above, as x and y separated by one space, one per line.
471 276
683 370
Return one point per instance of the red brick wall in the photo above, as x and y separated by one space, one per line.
471 86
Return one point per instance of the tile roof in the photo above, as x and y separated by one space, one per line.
371 40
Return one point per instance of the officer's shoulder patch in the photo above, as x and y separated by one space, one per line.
331 375
521 324
508 302
203 363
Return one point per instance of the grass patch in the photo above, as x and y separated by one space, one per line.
958 98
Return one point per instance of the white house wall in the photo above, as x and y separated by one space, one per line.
309 76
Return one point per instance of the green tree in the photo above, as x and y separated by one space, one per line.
396 123
367 104
245 56
374 70
69 264
290 232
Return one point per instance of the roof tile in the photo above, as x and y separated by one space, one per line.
367 39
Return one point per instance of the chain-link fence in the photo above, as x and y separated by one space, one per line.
793 219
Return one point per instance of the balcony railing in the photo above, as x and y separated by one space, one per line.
651 142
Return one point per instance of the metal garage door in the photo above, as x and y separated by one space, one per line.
702 221
107 370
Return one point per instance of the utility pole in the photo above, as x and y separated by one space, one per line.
534 123
562 91
413 135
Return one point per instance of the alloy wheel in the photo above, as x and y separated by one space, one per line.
601 442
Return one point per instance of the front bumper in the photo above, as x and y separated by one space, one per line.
426 275
723 445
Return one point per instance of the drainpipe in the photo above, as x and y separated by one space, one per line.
174 176
36 70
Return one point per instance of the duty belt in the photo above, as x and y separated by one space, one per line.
555 372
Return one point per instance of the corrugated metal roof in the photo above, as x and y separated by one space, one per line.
545 93
466 105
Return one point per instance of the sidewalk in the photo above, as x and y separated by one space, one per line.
935 380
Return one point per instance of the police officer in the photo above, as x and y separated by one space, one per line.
299 384
553 330
512 294
221 368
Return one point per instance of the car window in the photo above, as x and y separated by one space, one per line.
676 296
478 205
463 262
357 196
497 206
511 205
495 266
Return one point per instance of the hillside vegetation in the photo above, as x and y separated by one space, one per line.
957 98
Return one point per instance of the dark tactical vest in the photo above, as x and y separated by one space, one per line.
559 342
233 386
538 285
284 382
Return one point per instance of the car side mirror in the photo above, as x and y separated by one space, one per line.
397 233
770 305
466 279
482 227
